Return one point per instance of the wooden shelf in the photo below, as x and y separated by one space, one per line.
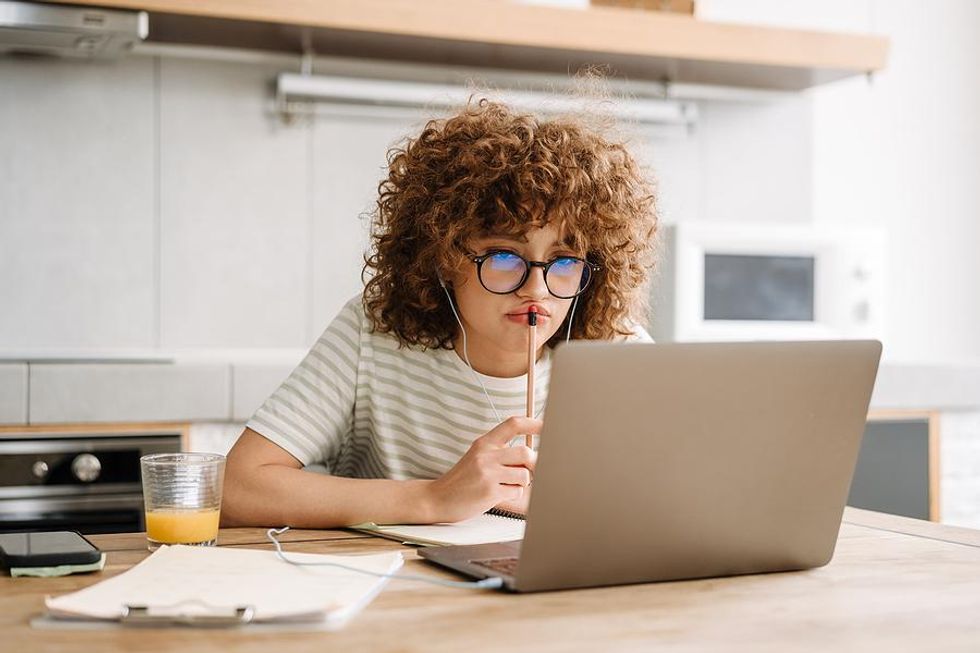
639 44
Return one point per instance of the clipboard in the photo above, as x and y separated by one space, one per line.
146 616
216 587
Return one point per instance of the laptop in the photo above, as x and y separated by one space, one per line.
662 462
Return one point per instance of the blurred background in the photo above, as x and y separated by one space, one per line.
185 197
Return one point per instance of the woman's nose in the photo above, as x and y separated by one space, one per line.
534 287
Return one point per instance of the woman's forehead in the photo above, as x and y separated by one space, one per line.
549 234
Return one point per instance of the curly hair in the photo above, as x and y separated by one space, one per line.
489 170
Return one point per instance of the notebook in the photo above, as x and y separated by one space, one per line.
493 526
178 582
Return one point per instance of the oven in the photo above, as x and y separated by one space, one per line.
86 482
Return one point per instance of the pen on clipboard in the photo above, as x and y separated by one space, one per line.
532 347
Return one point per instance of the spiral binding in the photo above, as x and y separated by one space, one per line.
509 514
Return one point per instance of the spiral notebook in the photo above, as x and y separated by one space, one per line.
493 526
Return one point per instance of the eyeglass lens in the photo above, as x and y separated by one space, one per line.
504 272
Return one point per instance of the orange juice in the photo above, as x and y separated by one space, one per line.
182 526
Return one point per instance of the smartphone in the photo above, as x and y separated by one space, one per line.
46 549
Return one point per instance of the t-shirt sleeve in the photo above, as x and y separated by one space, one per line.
311 414
639 334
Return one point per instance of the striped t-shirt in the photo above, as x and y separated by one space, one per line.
365 408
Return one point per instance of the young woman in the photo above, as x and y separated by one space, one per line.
412 395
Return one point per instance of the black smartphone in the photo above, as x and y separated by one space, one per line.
46 549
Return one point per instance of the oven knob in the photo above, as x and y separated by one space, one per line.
86 467
40 469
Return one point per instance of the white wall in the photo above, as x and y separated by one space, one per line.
902 152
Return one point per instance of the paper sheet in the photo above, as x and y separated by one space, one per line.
202 580
483 529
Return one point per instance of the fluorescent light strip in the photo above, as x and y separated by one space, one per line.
351 90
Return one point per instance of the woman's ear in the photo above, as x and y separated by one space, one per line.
452 278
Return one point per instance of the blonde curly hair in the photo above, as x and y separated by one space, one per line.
489 170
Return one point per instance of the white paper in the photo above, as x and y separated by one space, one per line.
191 580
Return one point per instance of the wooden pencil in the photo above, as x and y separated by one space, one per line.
532 346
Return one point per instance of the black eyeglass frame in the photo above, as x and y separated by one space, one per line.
591 267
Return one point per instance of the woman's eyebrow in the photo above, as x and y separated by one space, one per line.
509 239
491 241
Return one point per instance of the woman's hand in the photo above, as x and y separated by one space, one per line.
519 506
490 473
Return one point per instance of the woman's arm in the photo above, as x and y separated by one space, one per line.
266 486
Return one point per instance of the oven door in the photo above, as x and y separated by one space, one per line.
88 482
86 514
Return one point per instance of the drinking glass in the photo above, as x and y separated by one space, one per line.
182 498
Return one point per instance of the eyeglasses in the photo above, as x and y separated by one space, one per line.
503 272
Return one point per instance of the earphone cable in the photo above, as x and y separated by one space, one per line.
486 583
466 357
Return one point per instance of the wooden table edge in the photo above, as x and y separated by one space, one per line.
913 527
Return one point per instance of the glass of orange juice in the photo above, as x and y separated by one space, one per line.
182 497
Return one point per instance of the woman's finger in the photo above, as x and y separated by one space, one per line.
515 476
519 455
509 429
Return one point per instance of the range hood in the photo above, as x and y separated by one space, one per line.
35 28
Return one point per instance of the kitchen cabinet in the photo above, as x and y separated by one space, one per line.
493 33
898 467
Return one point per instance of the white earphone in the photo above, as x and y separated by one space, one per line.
466 357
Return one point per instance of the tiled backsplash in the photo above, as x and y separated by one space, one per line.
160 202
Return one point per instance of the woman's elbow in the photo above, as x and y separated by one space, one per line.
234 500
243 495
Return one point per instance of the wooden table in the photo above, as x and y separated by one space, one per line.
894 584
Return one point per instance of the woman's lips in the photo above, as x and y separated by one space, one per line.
521 318
523 310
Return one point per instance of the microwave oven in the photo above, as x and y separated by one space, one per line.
730 281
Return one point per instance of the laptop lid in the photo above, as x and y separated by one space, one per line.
671 461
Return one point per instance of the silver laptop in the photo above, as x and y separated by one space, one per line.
671 461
